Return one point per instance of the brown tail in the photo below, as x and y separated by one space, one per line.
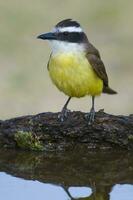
108 90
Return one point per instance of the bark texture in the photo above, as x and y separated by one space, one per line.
45 132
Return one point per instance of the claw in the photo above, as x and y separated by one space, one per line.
63 115
90 116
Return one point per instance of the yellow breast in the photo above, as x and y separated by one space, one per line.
73 75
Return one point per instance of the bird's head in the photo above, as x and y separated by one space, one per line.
67 35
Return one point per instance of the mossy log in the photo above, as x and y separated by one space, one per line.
45 132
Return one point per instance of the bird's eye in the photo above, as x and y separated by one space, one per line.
65 33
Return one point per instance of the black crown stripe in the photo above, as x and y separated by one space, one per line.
68 23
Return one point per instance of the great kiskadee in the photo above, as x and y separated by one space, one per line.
75 65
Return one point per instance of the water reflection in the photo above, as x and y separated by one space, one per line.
79 192
66 176
122 192
15 188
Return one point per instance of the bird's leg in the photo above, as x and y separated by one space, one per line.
64 111
91 115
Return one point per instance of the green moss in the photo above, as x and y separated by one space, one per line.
130 137
26 140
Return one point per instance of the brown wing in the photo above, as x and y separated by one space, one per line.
94 59
49 61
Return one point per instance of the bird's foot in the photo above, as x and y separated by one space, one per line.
63 114
90 117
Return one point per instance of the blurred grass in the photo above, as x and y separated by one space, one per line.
25 84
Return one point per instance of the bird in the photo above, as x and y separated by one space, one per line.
75 65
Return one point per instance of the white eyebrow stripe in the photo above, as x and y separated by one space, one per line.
70 29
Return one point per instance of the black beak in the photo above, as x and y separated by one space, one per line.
47 36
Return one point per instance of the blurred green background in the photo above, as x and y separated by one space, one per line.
25 86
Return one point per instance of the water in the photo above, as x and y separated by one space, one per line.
70 175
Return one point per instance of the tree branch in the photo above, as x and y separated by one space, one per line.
44 132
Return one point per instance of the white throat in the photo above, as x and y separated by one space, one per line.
66 47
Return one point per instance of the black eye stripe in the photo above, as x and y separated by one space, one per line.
75 37
71 33
65 33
